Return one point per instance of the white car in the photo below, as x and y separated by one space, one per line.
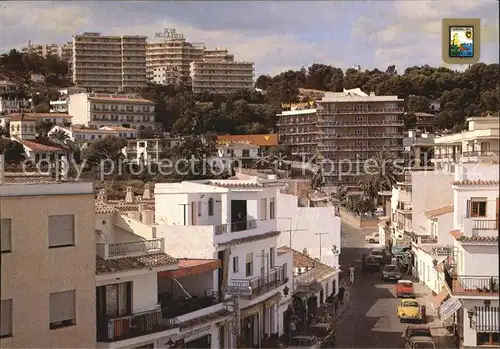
372 238
377 253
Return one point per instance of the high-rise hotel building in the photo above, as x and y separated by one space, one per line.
109 63
345 129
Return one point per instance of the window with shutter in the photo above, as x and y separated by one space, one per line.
263 209
272 209
478 207
6 318
5 230
235 264
61 230
249 264
62 309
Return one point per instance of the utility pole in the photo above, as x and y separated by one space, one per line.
291 230
320 246
185 215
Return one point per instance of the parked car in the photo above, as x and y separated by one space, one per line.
417 331
420 342
404 288
377 253
325 333
390 272
409 310
373 238
305 342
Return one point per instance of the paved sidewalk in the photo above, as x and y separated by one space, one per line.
443 339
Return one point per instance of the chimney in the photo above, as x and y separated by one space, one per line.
129 196
2 167
148 217
102 196
147 191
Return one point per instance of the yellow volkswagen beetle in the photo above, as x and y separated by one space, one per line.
409 310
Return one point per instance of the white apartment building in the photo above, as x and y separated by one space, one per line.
47 263
145 297
165 75
238 151
312 229
64 52
456 243
78 134
171 53
8 86
235 222
109 63
9 106
151 150
471 275
61 104
221 76
100 110
54 118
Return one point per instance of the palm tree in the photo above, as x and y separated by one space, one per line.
60 135
379 176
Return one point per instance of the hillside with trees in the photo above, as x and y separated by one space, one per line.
461 94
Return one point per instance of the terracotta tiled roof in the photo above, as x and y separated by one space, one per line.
101 208
251 238
476 182
148 261
478 239
237 185
91 130
26 117
439 211
119 99
37 116
120 128
301 260
260 140
37 146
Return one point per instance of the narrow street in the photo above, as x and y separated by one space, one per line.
371 320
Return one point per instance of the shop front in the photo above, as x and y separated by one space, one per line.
304 307
259 323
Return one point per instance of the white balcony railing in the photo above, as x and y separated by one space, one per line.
133 248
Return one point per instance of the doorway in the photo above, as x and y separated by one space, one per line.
238 215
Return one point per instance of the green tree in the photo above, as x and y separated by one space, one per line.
12 150
380 175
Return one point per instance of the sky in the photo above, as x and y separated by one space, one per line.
275 35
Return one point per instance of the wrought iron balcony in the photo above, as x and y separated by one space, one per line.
263 283
174 308
472 285
135 325
243 225
220 229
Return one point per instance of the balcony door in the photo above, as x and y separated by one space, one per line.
238 215
114 300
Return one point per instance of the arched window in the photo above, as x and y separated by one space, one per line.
211 207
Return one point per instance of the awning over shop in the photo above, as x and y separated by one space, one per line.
449 307
439 298
273 300
487 319
316 287
304 295
188 267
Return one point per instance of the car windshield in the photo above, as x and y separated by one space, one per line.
406 284
390 268
410 304
424 345
377 252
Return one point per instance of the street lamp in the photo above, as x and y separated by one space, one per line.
471 314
